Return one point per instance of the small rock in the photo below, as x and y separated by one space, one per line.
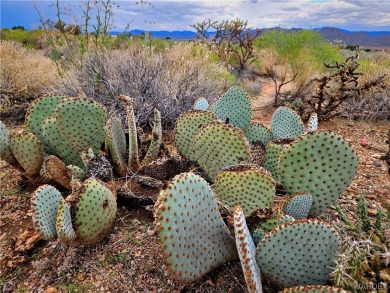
377 164
9 287
51 290
150 232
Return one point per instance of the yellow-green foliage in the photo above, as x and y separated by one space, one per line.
31 39
25 72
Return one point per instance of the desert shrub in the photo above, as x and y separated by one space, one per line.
293 58
24 72
169 80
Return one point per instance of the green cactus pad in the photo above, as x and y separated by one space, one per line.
271 158
298 206
133 163
258 234
312 124
321 163
81 122
194 238
298 253
219 145
28 151
44 205
234 107
58 143
116 144
155 144
76 172
286 123
38 111
187 126
64 226
94 208
201 104
58 172
258 132
248 186
314 289
247 252
5 152
276 220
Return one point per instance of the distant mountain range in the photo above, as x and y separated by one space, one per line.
378 39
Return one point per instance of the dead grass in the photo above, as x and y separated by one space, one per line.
24 73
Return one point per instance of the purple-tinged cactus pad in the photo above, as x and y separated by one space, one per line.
248 186
44 205
312 124
194 238
298 253
247 252
28 151
321 163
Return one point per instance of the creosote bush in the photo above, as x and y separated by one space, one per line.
169 80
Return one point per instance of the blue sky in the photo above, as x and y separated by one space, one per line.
353 15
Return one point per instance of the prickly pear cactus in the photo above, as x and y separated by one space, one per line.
38 111
247 252
276 220
59 144
312 124
81 122
133 143
64 225
219 145
94 208
321 163
234 107
201 104
286 123
44 204
314 289
298 206
116 144
28 151
271 158
187 125
155 144
256 131
76 172
298 253
194 238
257 235
248 186
5 152
58 172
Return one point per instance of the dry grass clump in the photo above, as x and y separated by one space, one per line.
169 80
24 73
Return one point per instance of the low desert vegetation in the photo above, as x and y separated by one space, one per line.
151 120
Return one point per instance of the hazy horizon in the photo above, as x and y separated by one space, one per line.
352 15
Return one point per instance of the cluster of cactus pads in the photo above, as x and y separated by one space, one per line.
59 138
289 249
84 217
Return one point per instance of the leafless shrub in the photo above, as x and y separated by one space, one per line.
24 73
168 80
